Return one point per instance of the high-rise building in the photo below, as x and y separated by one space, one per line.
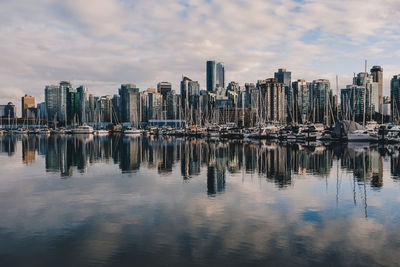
41 107
129 103
210 76
353 100
82 105
8 111
91 107
285 77
51 100
272 101
27 102
215 75
72 106
185 95
115 108
395 97
104 109
321 101
377 75
251 95
301 100
220 75
63 90
360 100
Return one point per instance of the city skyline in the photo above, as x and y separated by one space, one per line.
101 49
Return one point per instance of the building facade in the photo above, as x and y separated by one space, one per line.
27 102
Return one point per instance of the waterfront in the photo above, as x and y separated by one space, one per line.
84 200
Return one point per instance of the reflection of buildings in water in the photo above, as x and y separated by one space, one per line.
215 174
366 164
310 160
130 154
395 164
63 153
191 158
274 162
28 149
168 154
8 144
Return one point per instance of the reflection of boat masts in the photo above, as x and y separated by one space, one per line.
365 190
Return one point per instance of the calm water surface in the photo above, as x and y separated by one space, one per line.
116 201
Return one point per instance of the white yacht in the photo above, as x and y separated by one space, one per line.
132 131
372 125
362 136
100 132
82 129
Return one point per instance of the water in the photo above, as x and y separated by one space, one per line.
88 201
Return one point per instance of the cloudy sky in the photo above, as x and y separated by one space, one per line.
103 43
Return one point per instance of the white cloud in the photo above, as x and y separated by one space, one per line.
144 42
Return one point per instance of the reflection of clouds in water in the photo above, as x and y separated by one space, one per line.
107 214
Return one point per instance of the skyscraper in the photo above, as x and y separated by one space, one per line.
82 109
321 95
272 100
211 76
395 97
27 103
285 77
377 75
301 100
220 75
129 103
8 111
51 100
63 90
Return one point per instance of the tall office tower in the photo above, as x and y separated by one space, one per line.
301 101
63 89
41 107
210 76
27 102
271 101
129 103
220 75
8 111
170 105
194 101
91 107
72 106
82 109
104 109
395 97
361 79
251 95
51 100
285 77
185 95
366 82
321 96
377 75
115 108
353 100
164 88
